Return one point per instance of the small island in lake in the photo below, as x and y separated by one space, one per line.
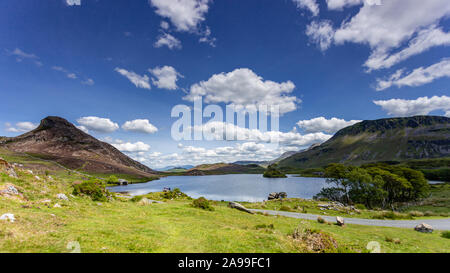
273 172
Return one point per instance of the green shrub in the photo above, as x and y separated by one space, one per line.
93 188
202 203
321 220
174 194
112 180
360 207
446 234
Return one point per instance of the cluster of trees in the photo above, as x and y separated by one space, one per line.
273 172
374 185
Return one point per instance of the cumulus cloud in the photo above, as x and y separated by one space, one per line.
322 124
20 127
230 132
386 26
310 5
137 80
132 147
243 87
166 77
168 40
82 128
340 4
320 33
185 15
140 125
101 125
420 106
73 2
417 77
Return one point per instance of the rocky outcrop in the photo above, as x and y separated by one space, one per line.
7 168
277 195
425 228
240 207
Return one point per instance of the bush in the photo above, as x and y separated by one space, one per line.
392 215
446 234
360 207
202 203
112 180
93 188
321 220
174 194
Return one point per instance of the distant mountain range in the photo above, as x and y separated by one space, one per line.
393 139
58 140
169 168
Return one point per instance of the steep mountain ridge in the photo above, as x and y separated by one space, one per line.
59 140
390 139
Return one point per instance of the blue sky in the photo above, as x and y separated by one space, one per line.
103 63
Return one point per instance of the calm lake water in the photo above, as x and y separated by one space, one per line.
232 187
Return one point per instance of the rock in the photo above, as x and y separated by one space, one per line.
123 182
30 171
340 221
8 217
7 168
277 195
57 205
62 196
240 207
9 190
425 228
37 177
46 201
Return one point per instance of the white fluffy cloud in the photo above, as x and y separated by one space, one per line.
132 147
420 106
417 77
311 5
166 77
387 26
101 125
322 124
73 2
168 40
340 4
24 126
140 125
185 15
230 132
320 33
138 80
243 87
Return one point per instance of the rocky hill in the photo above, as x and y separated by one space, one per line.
393 139
58 140
225 168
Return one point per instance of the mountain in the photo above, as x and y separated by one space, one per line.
250 162
169 168
225 168
393 139
58 140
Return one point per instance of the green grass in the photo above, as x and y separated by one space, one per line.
175 226
438 203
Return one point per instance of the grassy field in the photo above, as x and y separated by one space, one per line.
174 226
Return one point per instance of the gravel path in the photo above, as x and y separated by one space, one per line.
438 224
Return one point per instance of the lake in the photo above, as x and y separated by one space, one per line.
232 187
